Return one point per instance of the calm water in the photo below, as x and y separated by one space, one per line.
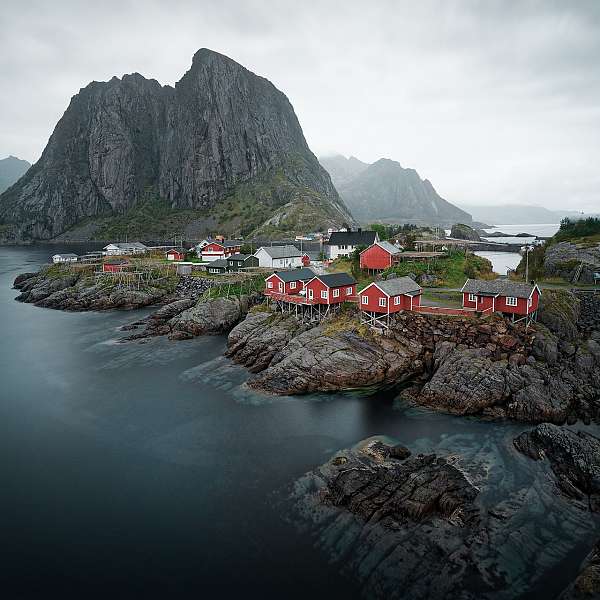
501 261
147 469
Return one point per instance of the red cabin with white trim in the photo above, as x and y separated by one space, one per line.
501 295
175 254
216 250
331 289
379 256
390 296
288 282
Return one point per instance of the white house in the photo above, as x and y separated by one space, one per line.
64 258
125 248
279 257
343 243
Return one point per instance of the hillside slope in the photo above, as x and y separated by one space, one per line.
221 133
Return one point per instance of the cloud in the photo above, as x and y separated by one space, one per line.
493 102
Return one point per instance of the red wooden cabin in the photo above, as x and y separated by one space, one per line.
331 289
114 266
390 296
175 254
288 282
379 256
305 260
220 249
501 295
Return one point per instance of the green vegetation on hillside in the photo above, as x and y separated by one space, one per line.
581 231
450 271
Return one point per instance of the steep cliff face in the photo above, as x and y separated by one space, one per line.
388 192
221 127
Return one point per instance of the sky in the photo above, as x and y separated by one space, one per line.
495 102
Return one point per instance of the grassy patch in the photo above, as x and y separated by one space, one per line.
450 271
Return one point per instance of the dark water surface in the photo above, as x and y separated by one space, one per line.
144 469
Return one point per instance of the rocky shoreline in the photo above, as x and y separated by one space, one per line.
464 366
416 526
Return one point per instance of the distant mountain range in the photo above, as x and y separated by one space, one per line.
222 150
385 191
11 169
518 214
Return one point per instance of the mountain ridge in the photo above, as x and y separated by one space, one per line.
191 146
11 169
386 191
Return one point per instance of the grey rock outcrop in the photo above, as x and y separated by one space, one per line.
220 127
574 457
464 232
566 258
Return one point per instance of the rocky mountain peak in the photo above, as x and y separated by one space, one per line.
191 147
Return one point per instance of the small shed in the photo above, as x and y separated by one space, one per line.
115 265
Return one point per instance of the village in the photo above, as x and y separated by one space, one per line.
349 267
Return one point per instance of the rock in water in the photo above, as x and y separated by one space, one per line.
464 232
219 131
574 458
405 527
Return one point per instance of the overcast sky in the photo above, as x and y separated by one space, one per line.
494 102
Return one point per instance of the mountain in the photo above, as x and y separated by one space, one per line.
513 214
385 191
223 145
11 169
342 169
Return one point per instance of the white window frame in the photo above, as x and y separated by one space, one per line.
529 301
472 298
324 294
349 291
511 301
336 293
280 286
310 294
364 299
383 302
397 300
270 285
292 285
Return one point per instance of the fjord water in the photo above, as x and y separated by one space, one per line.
148 469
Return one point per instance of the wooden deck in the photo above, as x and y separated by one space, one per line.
291 298
443 310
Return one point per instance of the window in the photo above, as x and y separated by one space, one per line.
382 302
349 291
529 301
343 247
396 300
336 293
365 299
310 294
472 298
280 286
510 301
324 294
270 284
292 285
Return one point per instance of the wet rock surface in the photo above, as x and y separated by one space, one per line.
574 457
587 583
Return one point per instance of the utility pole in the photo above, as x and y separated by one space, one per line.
527 250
